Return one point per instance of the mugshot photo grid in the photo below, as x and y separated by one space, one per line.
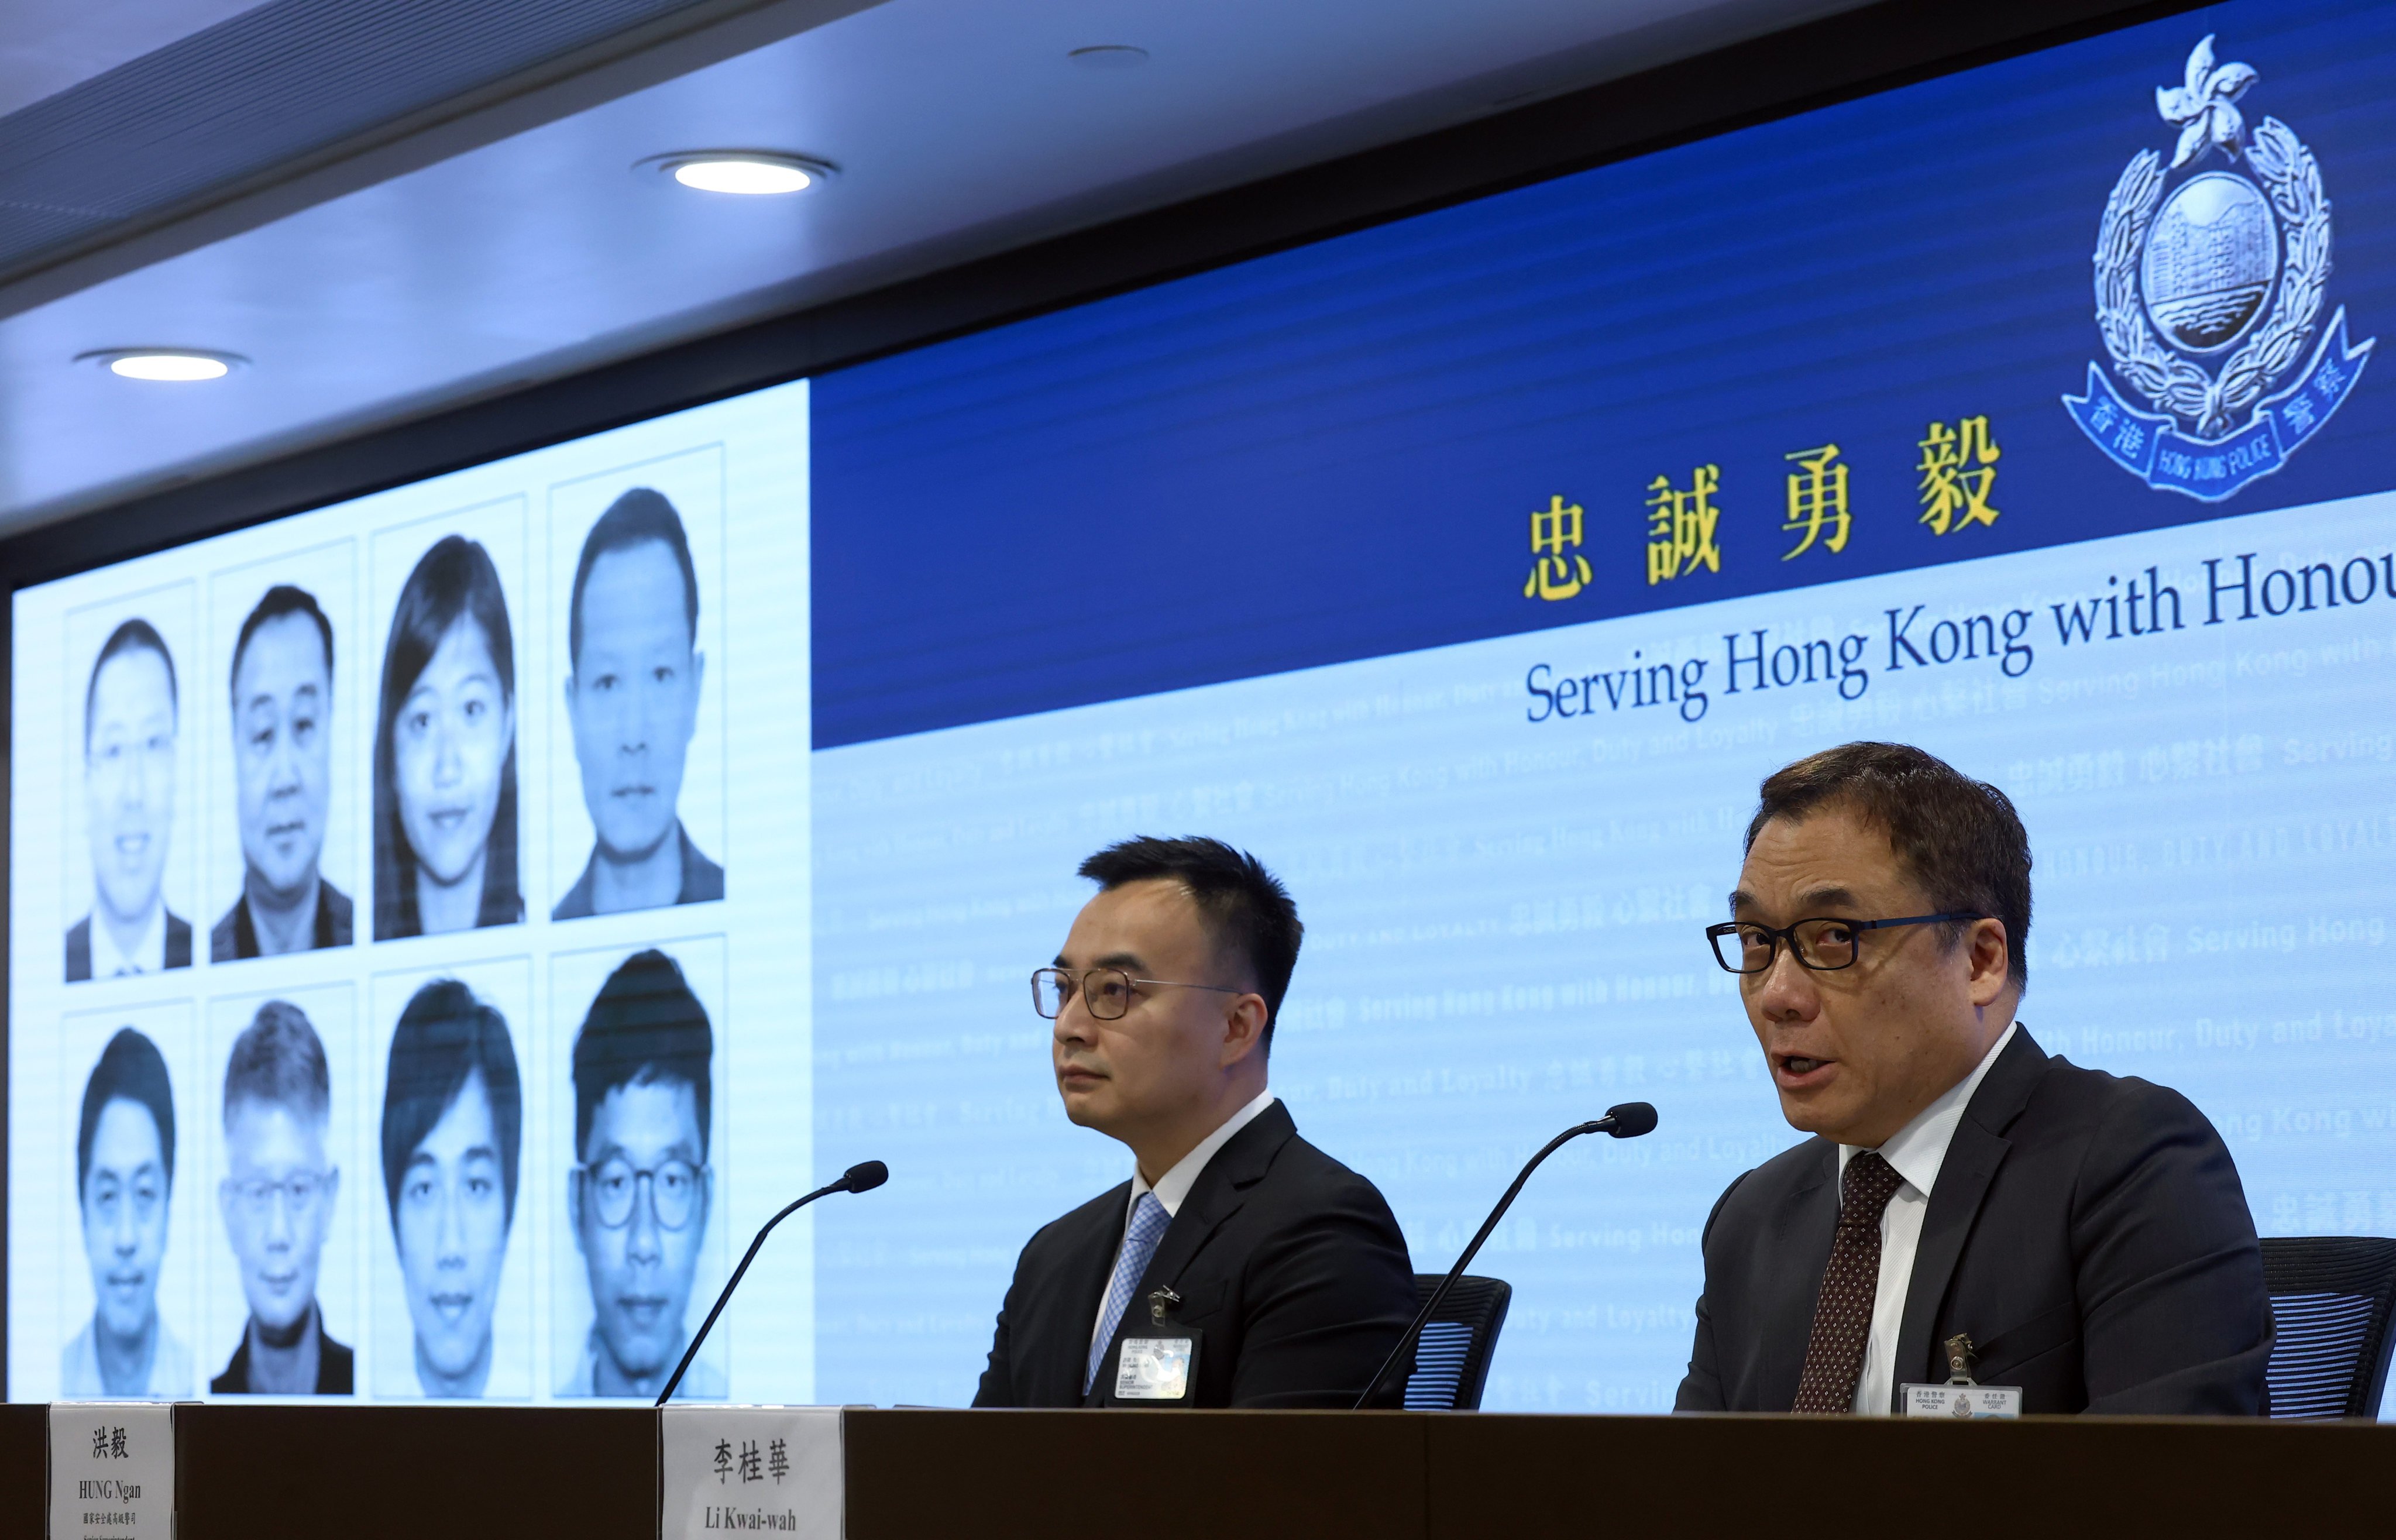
261 1240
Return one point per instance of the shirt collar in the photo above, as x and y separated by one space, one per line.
1175 1185
1919 1148
146 956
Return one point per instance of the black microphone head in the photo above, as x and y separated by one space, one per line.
1631 1120
868 1174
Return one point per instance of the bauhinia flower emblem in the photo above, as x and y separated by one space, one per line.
2206 106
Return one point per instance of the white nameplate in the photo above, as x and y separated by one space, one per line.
111 1470
1153 1369
733 1470
1962 1402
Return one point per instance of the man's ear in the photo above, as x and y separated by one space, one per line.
574 1206
1243 1029
1990 957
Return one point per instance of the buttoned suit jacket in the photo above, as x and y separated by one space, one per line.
2087 1231
1290 1264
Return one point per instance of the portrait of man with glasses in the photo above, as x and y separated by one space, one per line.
1283 1266
2081 1237
637 1197
277 1203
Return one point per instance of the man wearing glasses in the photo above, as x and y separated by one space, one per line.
637 1197
1281 1269
2086 1234
278 1202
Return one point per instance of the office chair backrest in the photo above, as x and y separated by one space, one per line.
1452 1355
2331 1297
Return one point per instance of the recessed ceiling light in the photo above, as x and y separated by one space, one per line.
751 173
1109 56
181 365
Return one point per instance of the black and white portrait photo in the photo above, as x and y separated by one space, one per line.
445 752
131 1344
645 726
282 1291
277 627
452 1295
129 753
643 1192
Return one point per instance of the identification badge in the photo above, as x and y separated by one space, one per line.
1154 1369
1962 1402
1162 1367
1962 1399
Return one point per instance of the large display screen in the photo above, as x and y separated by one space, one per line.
1472 570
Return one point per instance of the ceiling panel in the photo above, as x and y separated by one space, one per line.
959 129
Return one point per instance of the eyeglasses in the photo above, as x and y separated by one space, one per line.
301 1191
1105 992
615 1184
1825 945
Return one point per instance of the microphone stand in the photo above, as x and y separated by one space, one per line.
1626 1121
857 1179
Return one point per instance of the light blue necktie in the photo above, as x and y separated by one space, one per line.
1147 1228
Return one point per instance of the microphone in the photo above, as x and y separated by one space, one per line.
1626 1121
863 1177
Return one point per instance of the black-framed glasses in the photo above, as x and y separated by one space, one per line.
1105 992
1824 944
614 1185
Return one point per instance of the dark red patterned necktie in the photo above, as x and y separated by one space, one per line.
1843 1311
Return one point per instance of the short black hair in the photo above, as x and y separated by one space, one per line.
281 600
130 1068
1959 839
645 1027
131 636
279 1061
1245 904
444 1037
640 514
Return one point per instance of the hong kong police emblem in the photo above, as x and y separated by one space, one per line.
2210 276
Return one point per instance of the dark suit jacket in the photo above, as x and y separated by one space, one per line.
235 935
1290 1263
179 947
702 880
2088 1231
336 1368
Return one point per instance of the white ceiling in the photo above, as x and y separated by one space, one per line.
961 128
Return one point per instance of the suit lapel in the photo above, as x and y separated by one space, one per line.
1072 1311
1807 1224
1973 1156
1217 1193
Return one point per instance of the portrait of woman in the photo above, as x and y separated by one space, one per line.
444 768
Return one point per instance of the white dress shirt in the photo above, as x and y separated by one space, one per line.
145 956
1917 1151
1175 1185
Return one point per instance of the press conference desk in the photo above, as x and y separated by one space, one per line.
265 1472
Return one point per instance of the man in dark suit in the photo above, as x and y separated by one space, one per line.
131 714
2086 1233
282 699
1285 1267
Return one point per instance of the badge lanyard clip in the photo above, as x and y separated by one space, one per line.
1961 1355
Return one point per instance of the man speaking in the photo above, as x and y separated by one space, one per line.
2084 1235
1240 1266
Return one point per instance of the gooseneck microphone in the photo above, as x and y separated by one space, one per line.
1626 1121
863 1177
